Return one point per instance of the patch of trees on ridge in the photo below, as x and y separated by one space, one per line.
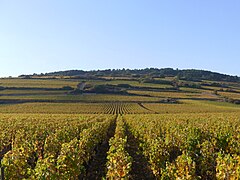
188 74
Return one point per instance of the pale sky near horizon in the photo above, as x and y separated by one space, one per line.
50 35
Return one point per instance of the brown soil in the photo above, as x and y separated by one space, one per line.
140 167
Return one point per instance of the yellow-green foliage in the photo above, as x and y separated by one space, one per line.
230 95
190 106
84 98
38 83
228 166
174 144
183 95
119 161
74 108
38 142
31 92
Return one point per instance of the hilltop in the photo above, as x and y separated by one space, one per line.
185 74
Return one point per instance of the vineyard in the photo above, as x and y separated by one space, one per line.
119 90
190 146
50 146
145 146
124 108
76 108
135 130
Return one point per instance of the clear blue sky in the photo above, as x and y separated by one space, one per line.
50 35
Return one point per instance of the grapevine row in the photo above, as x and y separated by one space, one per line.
190 146
36 145
119 161
123 108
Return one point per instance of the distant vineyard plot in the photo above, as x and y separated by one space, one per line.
75 108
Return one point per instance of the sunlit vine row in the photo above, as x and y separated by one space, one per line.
36 141
189 146
119 161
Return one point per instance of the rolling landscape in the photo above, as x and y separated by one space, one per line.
120 124
119 90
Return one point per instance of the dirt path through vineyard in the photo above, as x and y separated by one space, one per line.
97 166
140 168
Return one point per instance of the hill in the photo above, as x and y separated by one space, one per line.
185 74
